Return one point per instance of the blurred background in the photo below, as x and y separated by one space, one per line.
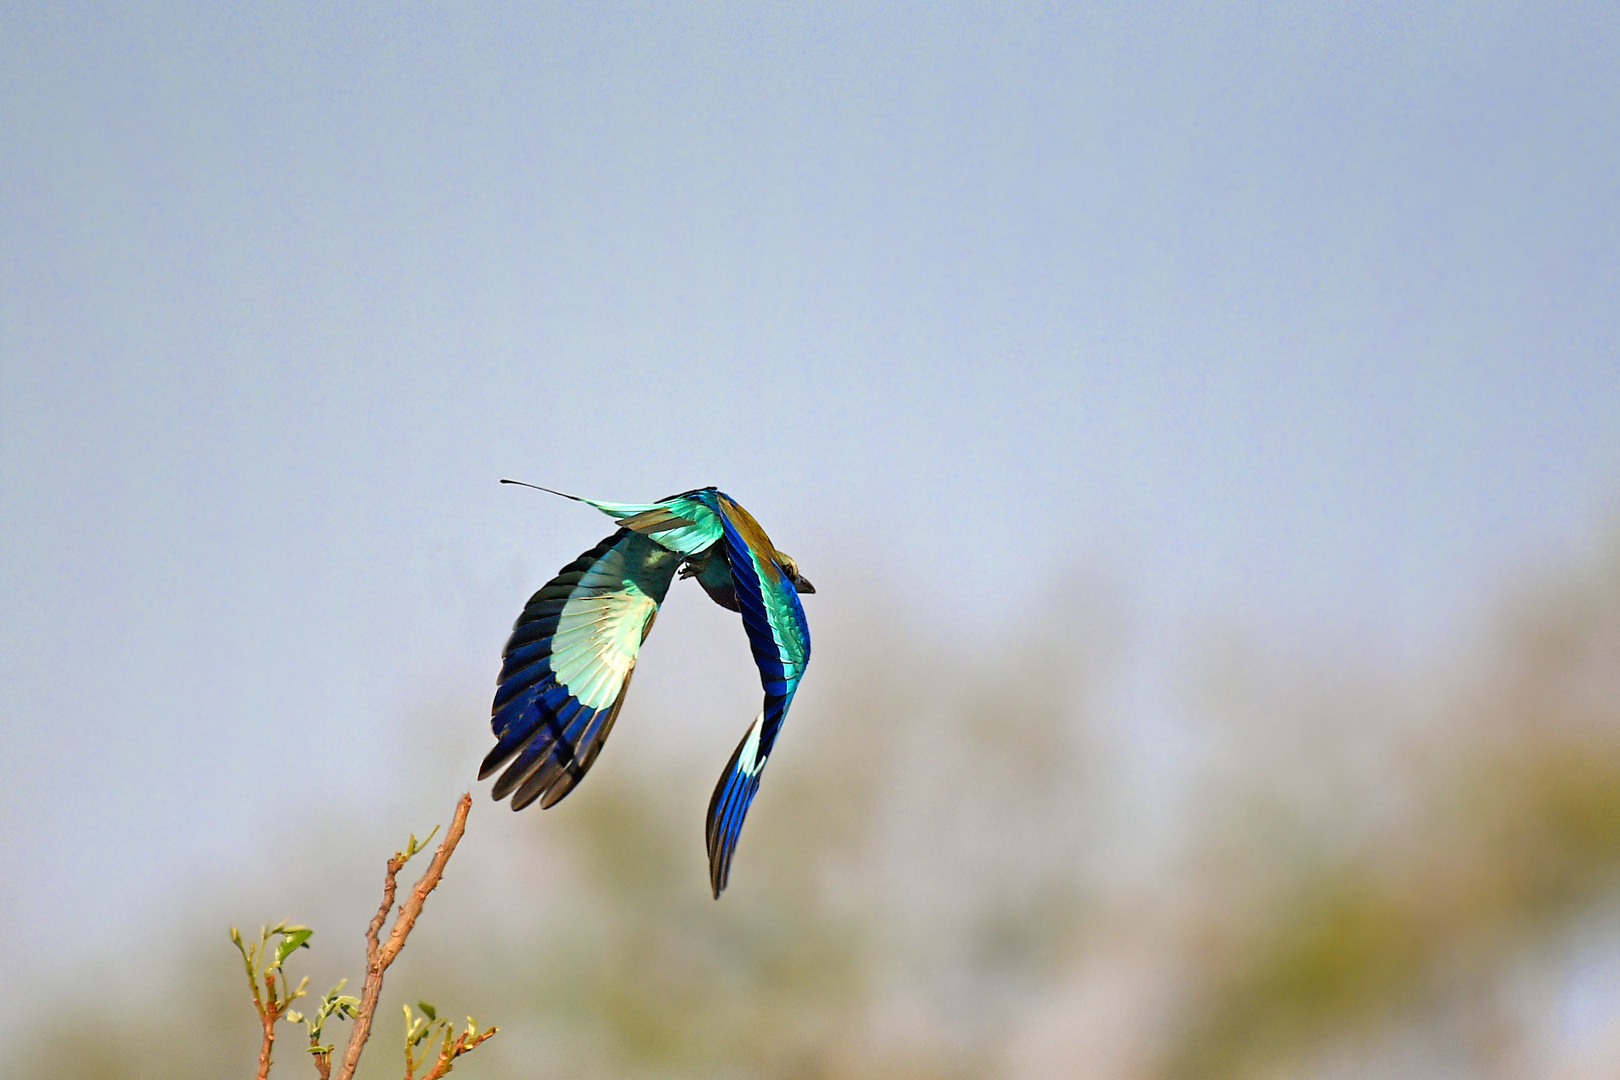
1202 426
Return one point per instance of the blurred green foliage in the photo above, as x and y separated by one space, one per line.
953 871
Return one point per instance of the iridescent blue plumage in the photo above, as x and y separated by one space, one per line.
573 650
768 600
568 664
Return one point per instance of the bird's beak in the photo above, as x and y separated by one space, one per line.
802 584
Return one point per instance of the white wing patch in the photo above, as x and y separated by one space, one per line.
748 759
599 633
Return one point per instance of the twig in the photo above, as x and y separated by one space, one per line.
272 1005
269 1013
449 1051
267 1017
379 954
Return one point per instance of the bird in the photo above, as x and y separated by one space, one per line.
567 666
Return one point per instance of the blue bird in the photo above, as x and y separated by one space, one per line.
568 663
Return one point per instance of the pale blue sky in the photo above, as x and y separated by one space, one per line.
1297 316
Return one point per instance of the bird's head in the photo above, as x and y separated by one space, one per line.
791 569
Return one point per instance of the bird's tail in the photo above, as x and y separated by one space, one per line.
729 805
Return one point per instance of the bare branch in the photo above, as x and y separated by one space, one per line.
380 954
269 1013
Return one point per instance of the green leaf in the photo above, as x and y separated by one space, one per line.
290 940
428 1010
416 845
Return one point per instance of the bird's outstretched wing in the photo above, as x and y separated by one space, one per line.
780 639
568 665
685 524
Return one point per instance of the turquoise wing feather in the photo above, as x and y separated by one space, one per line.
568 665
685 524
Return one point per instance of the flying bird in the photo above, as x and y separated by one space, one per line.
568 663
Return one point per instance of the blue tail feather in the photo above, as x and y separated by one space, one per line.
728 807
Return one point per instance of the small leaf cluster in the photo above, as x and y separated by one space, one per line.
263 963
426 1028
335 1003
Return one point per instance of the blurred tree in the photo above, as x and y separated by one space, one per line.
920 892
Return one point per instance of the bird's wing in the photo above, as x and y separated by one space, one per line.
681 523
685 523
780 639
568 665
